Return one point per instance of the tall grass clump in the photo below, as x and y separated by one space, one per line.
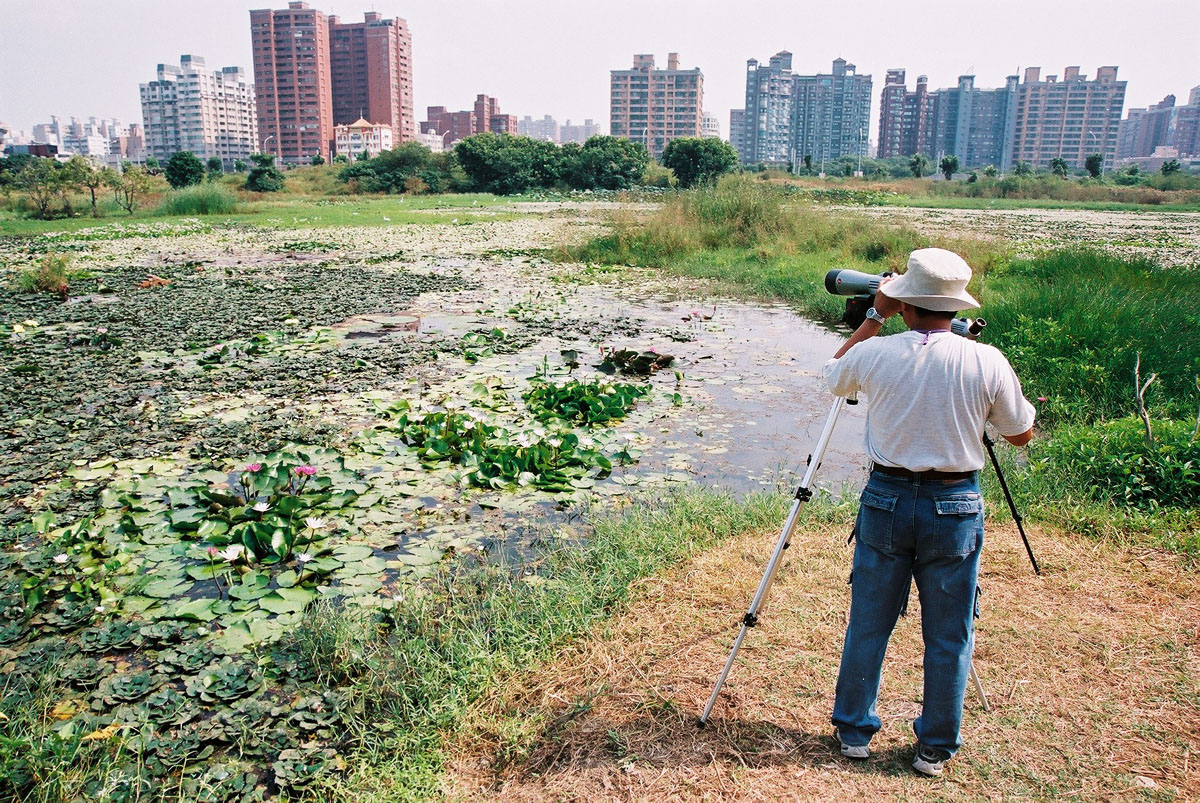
446 645
209 198
1072 322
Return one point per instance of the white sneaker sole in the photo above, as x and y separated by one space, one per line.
924 767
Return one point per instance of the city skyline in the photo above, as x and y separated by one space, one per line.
452 60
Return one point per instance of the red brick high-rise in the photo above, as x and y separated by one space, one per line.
489 118
371 72
292 84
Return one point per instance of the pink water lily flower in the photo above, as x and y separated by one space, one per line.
254 468
305 471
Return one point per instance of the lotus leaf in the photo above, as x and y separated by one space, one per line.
124 688
113 636
84 673
44 653
297 769
12 631
226 681
268 743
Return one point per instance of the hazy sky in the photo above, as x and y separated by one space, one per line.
87 57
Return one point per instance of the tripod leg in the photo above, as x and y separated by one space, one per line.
979 689
803 494
1012 506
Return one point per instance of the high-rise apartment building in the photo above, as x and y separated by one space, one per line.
710 126
654 106
1163 125
546 129
370 70
580 133
737 122
789 117
1070 118
292 82
208 112
975 125
904 117
453 126
489 118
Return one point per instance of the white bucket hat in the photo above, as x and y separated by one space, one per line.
936 279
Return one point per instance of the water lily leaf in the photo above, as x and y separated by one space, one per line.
187 519
287 600
349 553
198 610
206 571
287 579
44 521
420 555
168 587
181 497
211 528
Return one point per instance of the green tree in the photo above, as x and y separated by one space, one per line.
948 166
317 159
264 176
215 167
696 161
388 171
239 166
128 185
990 171
151 163
808 163
1170 166
507 164
1094 164
183 170
1023 169
46 181
603 163
91 177
1059 166
917 164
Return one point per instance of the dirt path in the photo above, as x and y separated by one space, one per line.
1092 669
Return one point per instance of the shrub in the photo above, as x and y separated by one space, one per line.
264 176
183 170
50 276
1112 462
698 161
201 199
415 185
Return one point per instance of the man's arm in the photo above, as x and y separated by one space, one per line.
885 306
1020 440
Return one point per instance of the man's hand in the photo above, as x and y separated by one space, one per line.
885 305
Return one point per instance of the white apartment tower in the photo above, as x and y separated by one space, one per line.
208 112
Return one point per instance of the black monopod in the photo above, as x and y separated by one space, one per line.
845 282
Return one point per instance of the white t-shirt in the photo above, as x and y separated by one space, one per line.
929 396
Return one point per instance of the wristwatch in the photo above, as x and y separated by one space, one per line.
873 315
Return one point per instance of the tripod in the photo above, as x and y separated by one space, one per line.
803 494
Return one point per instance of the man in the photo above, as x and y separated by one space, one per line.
929 393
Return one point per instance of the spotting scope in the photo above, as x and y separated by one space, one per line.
864 286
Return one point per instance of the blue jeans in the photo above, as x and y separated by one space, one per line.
930 531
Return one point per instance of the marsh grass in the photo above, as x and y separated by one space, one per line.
209 198
446 645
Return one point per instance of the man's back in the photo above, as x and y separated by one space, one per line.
928 397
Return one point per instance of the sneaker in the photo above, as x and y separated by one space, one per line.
854 751
930 760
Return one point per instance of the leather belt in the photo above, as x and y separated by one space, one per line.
896 471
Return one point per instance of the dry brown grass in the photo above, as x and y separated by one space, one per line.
1092 671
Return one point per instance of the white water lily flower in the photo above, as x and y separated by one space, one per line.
314 523
303 557
61 558
231 552
18 328
262 507
32 324
99 609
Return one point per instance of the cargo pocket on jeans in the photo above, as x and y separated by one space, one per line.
875 514
958 524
